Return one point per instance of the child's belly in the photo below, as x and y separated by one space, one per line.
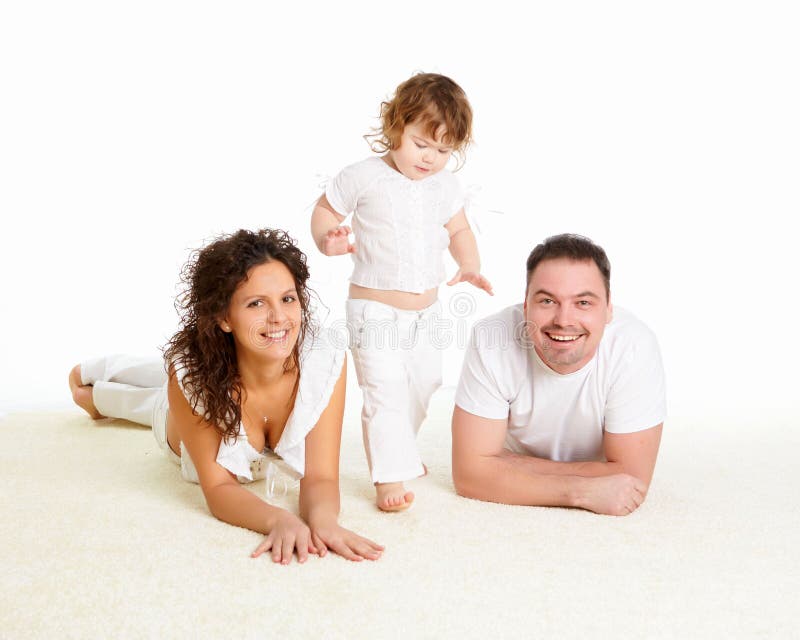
397 299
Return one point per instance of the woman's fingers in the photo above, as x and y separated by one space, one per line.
367 548
264 546
322 550
363 548
287 549
302 549
344 550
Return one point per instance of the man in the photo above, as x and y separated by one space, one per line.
561 400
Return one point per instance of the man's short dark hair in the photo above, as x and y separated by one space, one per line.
573 247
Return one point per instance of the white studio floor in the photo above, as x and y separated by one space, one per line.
102 538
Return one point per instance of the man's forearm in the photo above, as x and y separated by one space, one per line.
503 479
510 479
589 468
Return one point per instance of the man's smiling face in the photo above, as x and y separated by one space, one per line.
566 311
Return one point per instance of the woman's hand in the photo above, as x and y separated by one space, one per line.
287 534
347 544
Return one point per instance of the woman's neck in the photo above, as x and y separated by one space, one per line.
256 373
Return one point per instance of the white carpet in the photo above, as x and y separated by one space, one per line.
102 539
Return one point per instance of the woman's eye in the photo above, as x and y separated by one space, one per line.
255 303
289 299
445 152
420 146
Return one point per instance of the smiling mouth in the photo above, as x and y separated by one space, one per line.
555 337
275 336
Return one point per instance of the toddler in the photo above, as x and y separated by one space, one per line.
407 209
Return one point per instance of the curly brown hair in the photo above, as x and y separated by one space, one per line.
204 353
435 101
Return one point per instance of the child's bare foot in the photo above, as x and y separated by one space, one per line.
392 496
82 393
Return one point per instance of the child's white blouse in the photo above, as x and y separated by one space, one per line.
398 223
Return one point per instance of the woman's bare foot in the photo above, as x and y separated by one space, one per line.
82 393
392 496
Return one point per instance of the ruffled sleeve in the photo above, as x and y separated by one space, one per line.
320 367
240 458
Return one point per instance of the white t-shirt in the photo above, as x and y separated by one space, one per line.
398 223
556 416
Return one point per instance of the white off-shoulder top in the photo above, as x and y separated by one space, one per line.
320 367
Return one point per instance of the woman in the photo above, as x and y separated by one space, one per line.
248 382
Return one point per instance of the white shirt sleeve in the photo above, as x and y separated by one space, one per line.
479 391
637 397
343 190
456 198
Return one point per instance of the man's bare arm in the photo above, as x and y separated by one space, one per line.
632 453
483 469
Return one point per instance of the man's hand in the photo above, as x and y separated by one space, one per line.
474 278
337 243
616 495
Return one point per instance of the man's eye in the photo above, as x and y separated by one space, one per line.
584 303
546 301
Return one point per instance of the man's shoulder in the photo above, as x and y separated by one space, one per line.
627 334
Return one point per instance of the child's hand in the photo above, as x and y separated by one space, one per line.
287 533
336 242
347 544
474 278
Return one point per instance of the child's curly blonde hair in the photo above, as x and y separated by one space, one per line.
431 100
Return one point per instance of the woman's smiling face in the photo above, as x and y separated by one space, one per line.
264 315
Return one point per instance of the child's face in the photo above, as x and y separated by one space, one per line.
419 155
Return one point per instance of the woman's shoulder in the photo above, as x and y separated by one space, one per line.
321 362
321 357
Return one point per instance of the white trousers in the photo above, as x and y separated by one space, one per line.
132 388
399 366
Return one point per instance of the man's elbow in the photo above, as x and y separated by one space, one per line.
467 480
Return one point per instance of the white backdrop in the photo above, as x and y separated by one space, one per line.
668 133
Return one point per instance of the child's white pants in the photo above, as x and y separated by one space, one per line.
398 362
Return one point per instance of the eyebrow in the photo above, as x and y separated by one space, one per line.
266 295
583 294
430 142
